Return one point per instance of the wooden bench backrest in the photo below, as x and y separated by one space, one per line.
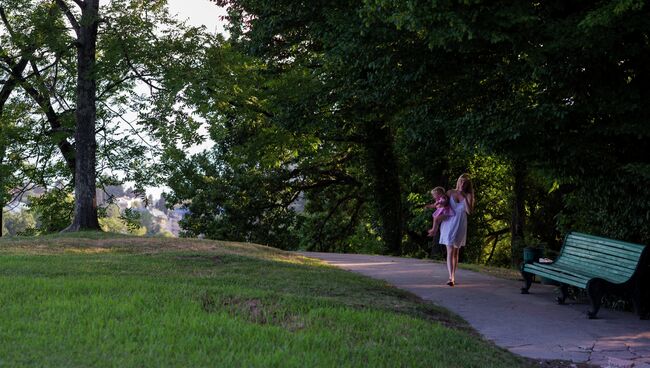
609 259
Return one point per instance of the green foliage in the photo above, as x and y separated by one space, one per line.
238 205
610 206
333 120
17 223
125 222
53 210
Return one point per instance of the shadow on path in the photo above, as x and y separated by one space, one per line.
529 325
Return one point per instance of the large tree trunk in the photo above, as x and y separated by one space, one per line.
385 185
518 211
85 210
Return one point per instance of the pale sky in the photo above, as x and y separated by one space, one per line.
199 12
196 13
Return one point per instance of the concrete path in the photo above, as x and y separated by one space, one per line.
529 325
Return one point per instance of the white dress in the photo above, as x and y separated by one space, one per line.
453 231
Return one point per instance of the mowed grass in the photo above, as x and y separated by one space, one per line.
99 300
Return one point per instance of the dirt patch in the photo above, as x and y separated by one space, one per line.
253 310
199 258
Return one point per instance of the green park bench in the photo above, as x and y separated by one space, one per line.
598 265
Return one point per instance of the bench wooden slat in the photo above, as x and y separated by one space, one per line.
599 260
600 239
614 277
557 275
611 253
587 258
592 239
618 277
587 264
591 260
614 252
595 262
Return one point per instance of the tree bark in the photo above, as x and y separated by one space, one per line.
385 185
85 209
518 211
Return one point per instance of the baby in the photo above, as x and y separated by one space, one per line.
443 210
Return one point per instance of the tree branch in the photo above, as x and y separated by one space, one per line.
3 15
321 226
10 84
66 148
68 13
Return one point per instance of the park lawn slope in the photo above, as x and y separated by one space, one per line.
104 300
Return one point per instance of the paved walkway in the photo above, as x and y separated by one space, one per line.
529 325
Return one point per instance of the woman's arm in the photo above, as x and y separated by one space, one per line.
469 199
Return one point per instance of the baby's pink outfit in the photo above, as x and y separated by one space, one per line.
443 207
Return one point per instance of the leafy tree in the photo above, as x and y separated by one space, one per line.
53 210
16 223
8 130
85 28
543 88
124 223
131 53
350 101
595 78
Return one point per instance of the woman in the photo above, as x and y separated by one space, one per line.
453 231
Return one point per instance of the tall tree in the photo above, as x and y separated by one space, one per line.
133 55
555 85
85 28
364 75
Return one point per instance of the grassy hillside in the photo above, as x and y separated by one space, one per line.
106 300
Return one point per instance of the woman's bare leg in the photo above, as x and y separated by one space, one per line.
450 262
455 253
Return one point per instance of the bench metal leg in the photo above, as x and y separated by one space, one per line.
564 290
528 280
595 290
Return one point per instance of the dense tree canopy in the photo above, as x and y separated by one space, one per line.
332 120
357 109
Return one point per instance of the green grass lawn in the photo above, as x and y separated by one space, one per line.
98 300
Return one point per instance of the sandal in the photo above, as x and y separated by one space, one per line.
450 283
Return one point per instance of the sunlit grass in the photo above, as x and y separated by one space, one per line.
500 272
101 300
